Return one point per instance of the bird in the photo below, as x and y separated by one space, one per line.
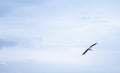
89 48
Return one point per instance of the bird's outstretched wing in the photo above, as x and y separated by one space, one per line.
85 51
93 45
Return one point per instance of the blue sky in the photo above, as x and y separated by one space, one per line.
49 36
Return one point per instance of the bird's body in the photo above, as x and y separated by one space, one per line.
89 49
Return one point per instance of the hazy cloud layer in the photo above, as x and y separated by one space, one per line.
56 32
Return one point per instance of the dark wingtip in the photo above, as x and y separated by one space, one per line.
95 43
83 54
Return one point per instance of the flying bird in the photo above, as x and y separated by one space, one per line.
89 48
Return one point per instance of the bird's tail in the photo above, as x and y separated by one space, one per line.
90 49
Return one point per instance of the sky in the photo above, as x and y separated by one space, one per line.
49 36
